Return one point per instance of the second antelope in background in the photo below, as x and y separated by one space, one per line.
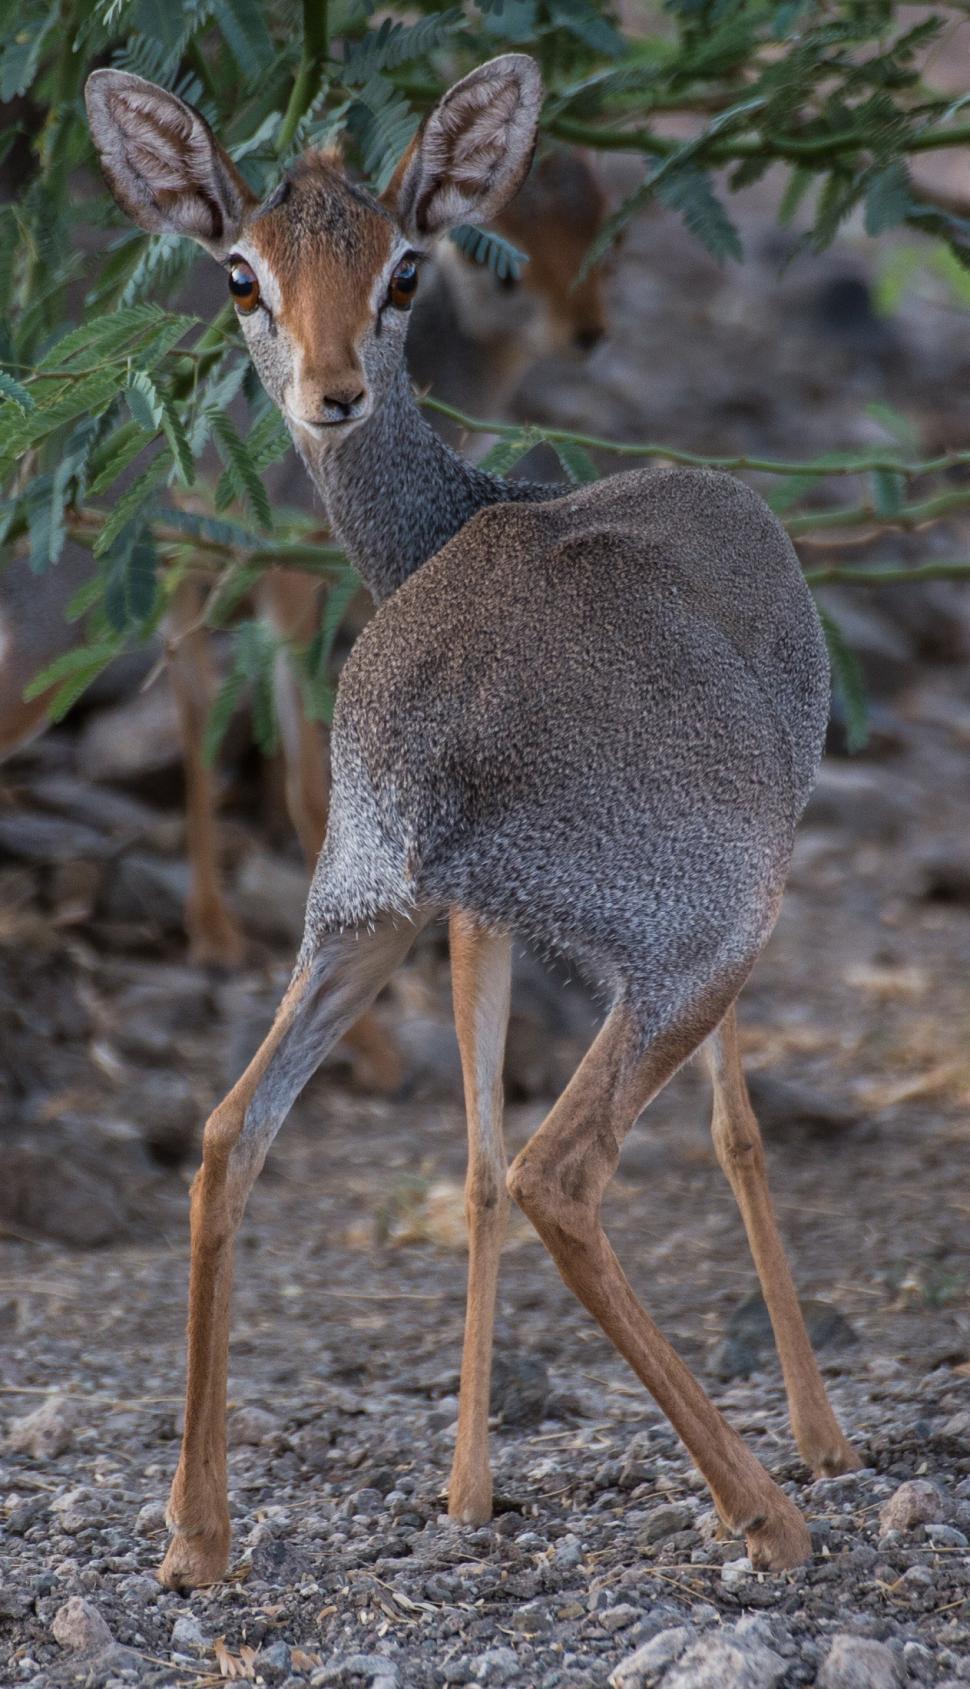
591 718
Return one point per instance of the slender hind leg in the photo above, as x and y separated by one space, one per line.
342 977
481 971
213 934
559 1179
740 1152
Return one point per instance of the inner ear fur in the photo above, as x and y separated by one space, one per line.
472 151
162 162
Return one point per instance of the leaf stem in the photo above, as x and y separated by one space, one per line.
888 574
672 454
313 59
797 148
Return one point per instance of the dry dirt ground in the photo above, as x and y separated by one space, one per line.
602 1565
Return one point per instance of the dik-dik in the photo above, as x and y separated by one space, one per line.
592 719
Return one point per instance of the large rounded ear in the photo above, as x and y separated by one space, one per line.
472 151
162 162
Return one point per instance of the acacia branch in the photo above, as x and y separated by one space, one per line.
796 149
820 467
887 574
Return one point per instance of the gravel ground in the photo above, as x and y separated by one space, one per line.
603 1557
602 1565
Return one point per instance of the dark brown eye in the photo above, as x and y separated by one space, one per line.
243 285
403 284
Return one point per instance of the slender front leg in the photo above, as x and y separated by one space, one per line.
481 967
740 1152
341 979
291 603
213 934
559 1180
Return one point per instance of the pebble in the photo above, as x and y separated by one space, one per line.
47 1431
915 1503
250 1425
150 1518
496 1665
619 1617
15 1602
520 1387
273 1663
947 1536
645 1665
858 1662
76 1508
187 1632
735 1572
725 1662
376 1669
78 1625
664 1521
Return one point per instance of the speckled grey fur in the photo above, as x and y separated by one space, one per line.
594 718
395 492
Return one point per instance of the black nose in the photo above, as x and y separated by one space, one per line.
344 406
586 338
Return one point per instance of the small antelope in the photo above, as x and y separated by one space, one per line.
473 335
592 718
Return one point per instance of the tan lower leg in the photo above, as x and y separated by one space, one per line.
481 970
737 1141
559 1179
198 1509
338 983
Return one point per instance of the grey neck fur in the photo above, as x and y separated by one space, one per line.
395 492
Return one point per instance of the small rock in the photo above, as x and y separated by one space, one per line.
250 1425
150 1518
734 1572
187 1632
73 1182
856 1662
918 1659
520 1388
496 1665
749 1340
532 1618
792 1109
645 1666
619 1617
664 1521
377 1669
76 1508
148 889
273 1663
722 1662
14 1603
916 1580
947 1536
79 1625
915 1503
49 838
47 1432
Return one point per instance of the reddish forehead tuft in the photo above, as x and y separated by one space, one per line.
325 241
